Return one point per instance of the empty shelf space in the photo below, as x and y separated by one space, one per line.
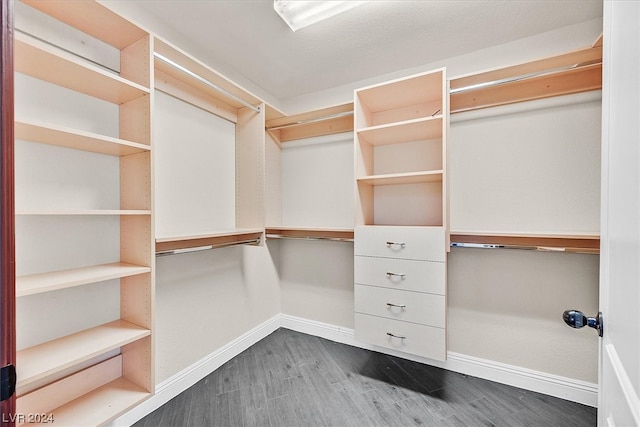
51 281
43 360
101 405
76 139
402 178
209 240
84 212
44 62
407 131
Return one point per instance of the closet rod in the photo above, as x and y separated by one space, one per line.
206 82
207 247
331 239
314 120
512 79
519 247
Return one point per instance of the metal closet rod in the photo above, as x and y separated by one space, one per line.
205 81
331 239
207 247
499 246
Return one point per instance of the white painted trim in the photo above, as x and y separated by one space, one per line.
541 382
184 379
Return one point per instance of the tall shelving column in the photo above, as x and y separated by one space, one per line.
92 376
402 230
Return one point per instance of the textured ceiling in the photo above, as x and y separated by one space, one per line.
378 38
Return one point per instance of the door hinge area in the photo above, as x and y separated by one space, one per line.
7 382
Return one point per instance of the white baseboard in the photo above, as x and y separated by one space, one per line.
528 379
553 385
171 387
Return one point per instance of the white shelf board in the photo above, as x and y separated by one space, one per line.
41 361
421 129
51 281
86 212
402 178
75 139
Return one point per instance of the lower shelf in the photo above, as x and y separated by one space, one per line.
38 363
93 396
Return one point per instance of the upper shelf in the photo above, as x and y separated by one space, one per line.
407 131
311 233
47 63
76 139
214 239
581 243
92 18
402 92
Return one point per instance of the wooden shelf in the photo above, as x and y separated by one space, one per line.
44 360
401 132
101 405
87 212
44 62
401 93
92 18
76 139
582 243
319 233
45 282
218 238
402 178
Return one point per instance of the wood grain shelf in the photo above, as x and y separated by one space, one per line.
44 62
86 212
401 93
581 243
92 18
44 360
401 132
402 178
328 233
218 238
51 281
76 139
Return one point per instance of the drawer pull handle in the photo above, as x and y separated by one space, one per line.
401 275
396 336
402 306
391 243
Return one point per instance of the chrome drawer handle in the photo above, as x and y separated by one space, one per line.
401 275
391 243
396 336
402 306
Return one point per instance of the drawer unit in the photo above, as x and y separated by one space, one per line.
426 341
420 243
420 276
416 307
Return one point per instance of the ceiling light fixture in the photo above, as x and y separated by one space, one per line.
301 13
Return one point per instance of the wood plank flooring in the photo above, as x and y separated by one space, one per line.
293 379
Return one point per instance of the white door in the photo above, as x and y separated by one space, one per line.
619 404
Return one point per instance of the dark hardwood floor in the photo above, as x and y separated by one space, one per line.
293 379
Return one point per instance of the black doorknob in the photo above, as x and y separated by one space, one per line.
576 319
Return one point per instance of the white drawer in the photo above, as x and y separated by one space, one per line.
420 340
420 276
408 306
424 243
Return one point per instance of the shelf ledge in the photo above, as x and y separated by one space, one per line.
577 243
402 178
51 281
310 233
214 239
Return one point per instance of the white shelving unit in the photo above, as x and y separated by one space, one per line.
401 235
91 376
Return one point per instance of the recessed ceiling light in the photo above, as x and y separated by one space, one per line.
301 13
